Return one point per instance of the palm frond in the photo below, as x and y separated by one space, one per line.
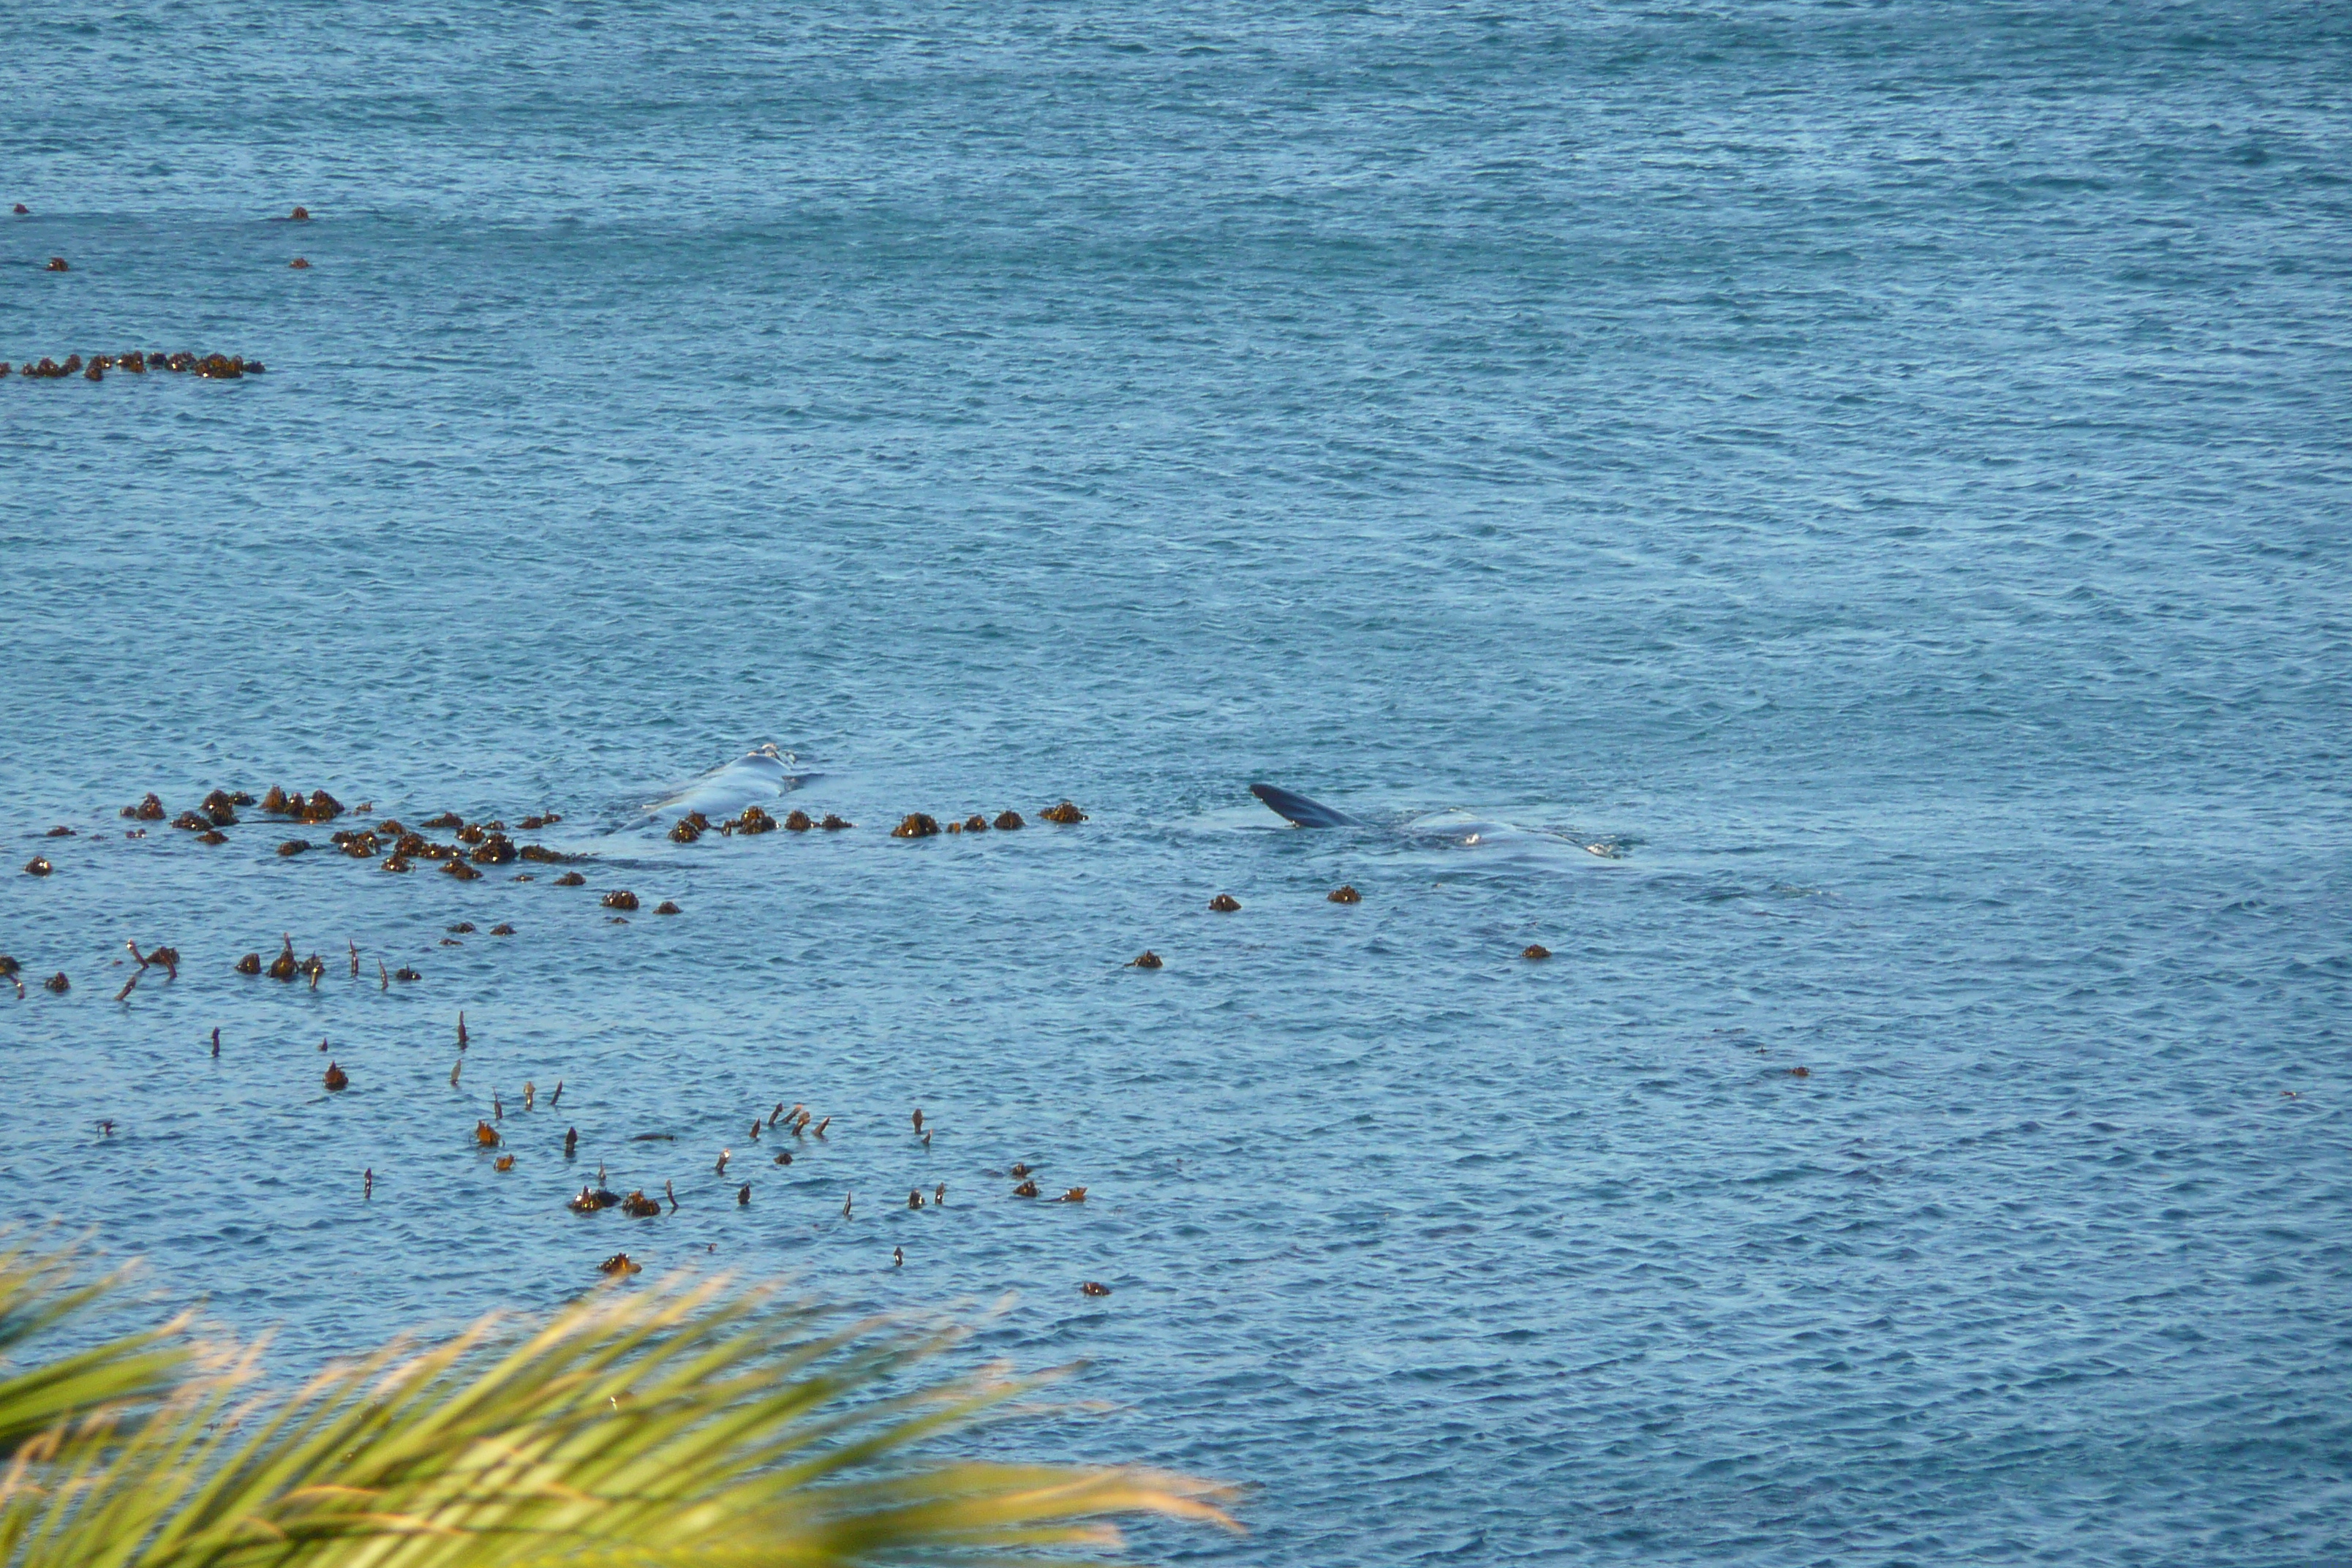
690 1422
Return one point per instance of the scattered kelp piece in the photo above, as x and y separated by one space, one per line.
278 803
619 899
798 821
1093 1288
637 1205
59 832
446 820
337 1079
1344 894
571 879
917 825
1065 812
9 967
58 984
220 808
38 866
668 907
405 973
148 809
1026 1190
832 823
502 929
620 1264
498 849
361 845
683 831
1225 903
539 852
398 862
975 822
754 820
283 966
320 807
460 871
211 836
294 847
189 822
1147 959
1075 1195
1008 821
1534 949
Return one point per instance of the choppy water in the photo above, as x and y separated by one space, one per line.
1884 467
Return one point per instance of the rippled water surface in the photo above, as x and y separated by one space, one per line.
1883 470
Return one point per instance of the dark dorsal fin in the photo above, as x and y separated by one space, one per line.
1299 811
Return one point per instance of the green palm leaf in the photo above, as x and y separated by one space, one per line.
685 1422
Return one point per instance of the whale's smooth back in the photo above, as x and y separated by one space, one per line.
1299 811
759 776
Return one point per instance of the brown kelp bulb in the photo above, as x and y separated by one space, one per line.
619 1264
460 871
397 863
1147 959
832 823
300 214
294 847
754 820
798 821
1026 1190
405 973
917 825
502 929
503 1162
485 1135
1007 821
1344 894
668 907
57 982
151 809
298 264
337 1078
619 899
211 836
571 879
1093 1288
1225 903
683 831
975 822
57 264
249 964
38 866
1065 812
1801 1072
1534 949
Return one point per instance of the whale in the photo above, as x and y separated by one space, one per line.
757 775
1453 825
1300 812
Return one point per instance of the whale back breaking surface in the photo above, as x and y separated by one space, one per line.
756 776
1299 811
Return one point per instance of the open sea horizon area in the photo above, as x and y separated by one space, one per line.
1796 559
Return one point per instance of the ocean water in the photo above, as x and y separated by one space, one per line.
1881 470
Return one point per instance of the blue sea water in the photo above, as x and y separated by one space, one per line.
1883 470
